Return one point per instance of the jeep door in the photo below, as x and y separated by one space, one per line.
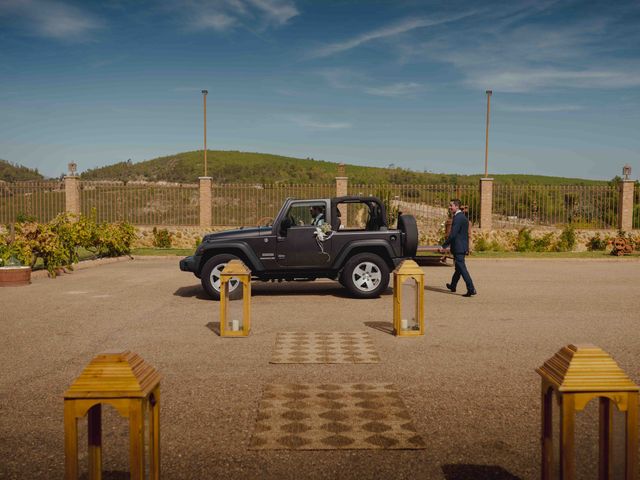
297 244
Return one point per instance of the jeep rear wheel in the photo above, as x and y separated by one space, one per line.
365 275
210 276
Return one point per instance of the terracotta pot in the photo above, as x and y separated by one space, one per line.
15 276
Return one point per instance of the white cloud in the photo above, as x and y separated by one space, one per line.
278 11
217 21
529 79
51 19
223 15
403 26
308 122
538 108
528 55
395 90
344 78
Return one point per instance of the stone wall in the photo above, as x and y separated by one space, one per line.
188 237
506 238
181 237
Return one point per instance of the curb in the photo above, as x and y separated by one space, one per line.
82 265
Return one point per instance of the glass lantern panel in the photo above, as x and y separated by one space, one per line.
409 306
235 310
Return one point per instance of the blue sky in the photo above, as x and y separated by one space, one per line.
362 82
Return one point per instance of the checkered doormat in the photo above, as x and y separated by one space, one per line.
324 347
333 416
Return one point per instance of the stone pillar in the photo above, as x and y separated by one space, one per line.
72 194
625 205
205 201
342 183
486 203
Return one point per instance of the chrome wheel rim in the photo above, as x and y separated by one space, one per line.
366 276
214 278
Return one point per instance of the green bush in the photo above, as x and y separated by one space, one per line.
161 238
57 242
115 239
524 240
597 243
544 243
481 244
495 246
567 239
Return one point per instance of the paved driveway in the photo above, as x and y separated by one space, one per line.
469 384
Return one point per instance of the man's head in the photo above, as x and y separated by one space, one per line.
454 205
315 210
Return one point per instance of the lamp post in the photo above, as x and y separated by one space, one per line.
486 145
204 99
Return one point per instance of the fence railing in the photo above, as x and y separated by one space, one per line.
636 207
593 206
246 204
428 203
514 206
41 200
141 204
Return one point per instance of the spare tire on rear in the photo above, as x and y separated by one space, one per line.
408 226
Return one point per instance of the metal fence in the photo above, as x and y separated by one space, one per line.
514 206
141 204
636 206
41 200
428 203
246 204
593 206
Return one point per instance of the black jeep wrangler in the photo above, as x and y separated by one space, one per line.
299 245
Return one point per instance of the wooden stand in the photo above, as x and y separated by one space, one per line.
575 376
237 270
408 270
132 387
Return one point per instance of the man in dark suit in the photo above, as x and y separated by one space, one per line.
458 240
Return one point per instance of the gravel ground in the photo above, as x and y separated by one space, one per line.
469 383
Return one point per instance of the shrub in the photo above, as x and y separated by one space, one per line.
544 243
57 242
161 238
115 239
597 243
43 242
567 239
496 246
524 241
481 244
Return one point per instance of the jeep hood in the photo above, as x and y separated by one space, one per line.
238 234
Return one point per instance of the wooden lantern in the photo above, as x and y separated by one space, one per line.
132 386
235 302
408 300
576 375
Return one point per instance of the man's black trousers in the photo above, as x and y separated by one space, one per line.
461 271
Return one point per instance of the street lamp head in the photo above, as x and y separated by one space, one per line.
489 92
204 92
626 171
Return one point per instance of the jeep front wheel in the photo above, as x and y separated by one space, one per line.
210 276
365 275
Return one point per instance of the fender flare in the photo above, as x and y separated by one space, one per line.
345 253
228 247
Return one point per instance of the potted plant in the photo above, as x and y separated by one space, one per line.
12 271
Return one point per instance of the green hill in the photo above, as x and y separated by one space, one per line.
10 172
245 167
